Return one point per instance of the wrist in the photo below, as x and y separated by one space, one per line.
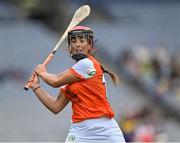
42 74
36 88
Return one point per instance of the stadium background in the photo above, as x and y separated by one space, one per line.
138 39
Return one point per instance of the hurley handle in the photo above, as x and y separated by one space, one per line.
45 63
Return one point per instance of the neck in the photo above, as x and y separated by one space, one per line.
78 57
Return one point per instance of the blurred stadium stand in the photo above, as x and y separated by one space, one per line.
129 33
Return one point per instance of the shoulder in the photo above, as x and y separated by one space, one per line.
84 63
85 67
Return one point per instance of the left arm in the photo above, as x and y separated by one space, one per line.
55 105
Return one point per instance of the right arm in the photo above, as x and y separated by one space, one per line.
56 80
55 105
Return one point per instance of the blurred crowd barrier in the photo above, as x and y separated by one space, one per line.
156 72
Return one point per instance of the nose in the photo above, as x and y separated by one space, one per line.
78 45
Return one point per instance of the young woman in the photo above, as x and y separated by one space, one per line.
84 86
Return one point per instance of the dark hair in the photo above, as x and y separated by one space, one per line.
113 76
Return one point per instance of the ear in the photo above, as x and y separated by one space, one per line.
89 48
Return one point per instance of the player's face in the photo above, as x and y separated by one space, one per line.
80 45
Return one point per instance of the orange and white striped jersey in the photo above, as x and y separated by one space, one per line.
88 96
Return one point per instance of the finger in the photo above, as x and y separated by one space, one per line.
32 78
30 82
35 76
29 85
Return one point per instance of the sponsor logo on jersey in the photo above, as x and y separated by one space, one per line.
91 72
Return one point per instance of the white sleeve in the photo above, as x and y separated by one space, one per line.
85 68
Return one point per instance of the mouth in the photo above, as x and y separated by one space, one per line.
78 52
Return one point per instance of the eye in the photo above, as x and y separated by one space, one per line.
82 39
73 40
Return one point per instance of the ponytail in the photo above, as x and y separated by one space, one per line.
113 76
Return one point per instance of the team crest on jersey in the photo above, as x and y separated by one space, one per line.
91 72
71 138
